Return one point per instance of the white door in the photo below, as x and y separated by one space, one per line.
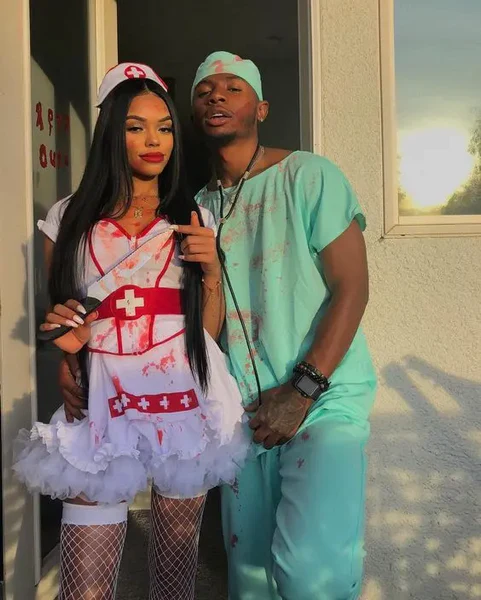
52 54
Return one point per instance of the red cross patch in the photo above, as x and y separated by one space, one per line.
134 72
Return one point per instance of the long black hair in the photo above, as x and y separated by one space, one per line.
106 179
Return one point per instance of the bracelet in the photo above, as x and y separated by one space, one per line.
218 283
306 368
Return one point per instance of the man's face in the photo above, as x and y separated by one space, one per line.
226 107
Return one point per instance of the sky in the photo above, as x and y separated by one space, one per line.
438 62
437 47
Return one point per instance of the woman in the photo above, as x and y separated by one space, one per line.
161 403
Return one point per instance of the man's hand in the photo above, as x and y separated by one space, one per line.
279 416
73 395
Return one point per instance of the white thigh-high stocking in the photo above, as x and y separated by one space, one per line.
91 543
174 546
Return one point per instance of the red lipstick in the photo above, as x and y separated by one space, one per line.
153 157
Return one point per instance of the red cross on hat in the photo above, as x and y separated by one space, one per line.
135 72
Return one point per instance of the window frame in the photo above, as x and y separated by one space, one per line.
310 83
394 224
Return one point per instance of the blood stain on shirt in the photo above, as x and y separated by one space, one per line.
235 487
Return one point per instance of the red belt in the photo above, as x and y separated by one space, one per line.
131 302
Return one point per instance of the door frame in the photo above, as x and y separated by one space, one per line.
103 46
25 577
309 35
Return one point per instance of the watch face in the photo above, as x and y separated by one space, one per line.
308 386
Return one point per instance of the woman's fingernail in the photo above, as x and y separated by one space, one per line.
81 309
182 256
70 323
78 320
174 227
53 325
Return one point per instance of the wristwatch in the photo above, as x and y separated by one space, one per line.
308 381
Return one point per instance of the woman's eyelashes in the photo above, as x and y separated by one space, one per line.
138 129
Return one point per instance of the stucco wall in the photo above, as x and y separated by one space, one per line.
424 327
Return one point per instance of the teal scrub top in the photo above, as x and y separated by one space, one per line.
284 218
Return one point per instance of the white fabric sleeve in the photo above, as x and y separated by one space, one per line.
51 225
209 220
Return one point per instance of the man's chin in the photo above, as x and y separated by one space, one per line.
218 136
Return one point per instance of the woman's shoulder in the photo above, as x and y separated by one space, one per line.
51 224
57 210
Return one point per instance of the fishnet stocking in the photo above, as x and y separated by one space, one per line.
90 560
174 546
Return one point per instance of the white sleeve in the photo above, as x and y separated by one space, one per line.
208 218
51 225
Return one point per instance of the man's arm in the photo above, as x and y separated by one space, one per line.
344 262
345 269
73 396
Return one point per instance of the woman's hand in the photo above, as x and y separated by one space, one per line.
68 314
199 246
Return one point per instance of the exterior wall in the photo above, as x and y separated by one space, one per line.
424 327
16 347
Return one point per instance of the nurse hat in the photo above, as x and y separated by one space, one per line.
124 72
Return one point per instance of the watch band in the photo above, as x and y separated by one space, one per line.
314 374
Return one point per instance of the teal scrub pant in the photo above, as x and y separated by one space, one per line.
294 520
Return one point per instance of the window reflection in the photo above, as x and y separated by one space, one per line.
438 103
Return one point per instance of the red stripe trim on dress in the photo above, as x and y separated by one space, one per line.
157 281
153 404
137 353
119 336
168 260
130 302
139 235
92 253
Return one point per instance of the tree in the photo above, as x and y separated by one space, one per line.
467 200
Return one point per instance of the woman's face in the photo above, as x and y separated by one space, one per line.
148 135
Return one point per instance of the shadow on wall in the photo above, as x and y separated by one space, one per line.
424 498
40 277
16 514
48 394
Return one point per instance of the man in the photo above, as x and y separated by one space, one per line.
296 260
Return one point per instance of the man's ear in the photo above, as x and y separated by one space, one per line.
262 111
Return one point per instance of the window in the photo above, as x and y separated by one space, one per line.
431 88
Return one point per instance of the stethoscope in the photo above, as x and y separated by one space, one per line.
221 254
